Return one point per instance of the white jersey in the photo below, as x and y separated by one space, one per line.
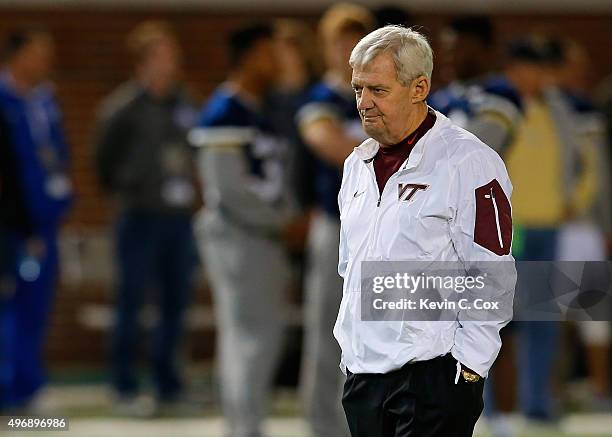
448 202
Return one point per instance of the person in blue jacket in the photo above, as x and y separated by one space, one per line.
12 216
39 152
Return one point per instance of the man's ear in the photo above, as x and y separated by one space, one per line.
420 89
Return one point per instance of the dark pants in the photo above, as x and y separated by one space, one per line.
7 280
538 341
24 312
156 252
418 400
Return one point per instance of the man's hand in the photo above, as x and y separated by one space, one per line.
35 247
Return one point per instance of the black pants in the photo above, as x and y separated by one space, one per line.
418 400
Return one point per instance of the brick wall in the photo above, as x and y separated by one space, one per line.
91 62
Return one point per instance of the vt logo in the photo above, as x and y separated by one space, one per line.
411 189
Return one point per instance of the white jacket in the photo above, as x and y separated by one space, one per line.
451 217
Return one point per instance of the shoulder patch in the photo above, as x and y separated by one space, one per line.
493 223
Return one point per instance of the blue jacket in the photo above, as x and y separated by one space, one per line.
41 152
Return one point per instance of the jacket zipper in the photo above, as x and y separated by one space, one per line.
372 237
373 174
494 202
374 234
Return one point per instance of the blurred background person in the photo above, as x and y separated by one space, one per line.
299 67
553 183
240 229
39 194
468 49
574 80
583 238
144 160
13 219
521 114
476 98
331 128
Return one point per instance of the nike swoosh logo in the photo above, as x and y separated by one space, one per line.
358 194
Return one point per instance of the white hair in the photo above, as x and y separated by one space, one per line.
410 50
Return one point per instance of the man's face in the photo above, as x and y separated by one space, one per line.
465 53
531 78
37 58
162 62
290 58
386 107
338 51
264 61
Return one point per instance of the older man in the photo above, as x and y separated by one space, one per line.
410 378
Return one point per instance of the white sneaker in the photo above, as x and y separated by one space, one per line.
134 406
504 425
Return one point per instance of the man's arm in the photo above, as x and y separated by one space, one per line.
13 211
494 121
481 230
110 147
323 131
223 167
584 194
342 249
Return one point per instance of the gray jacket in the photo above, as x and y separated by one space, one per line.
142 154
